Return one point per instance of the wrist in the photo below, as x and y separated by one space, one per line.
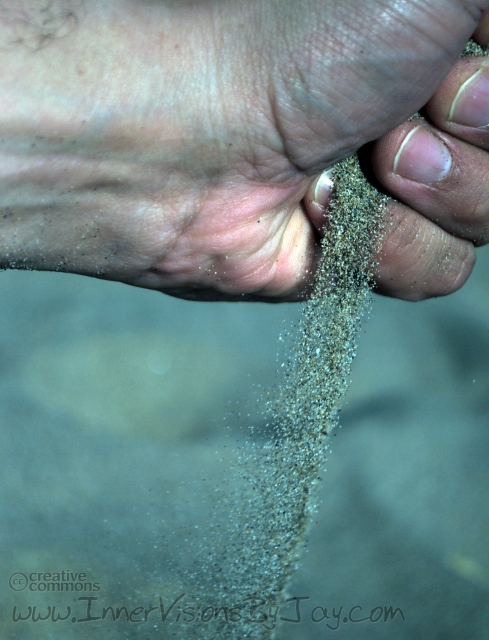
93 132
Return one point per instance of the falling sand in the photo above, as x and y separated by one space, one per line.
272 495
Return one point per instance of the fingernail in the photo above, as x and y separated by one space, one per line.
422 157
324 189
471 104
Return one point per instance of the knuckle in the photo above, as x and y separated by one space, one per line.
451 266
419 260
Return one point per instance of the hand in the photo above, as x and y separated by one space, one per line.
171 146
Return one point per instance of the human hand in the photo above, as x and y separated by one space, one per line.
176 146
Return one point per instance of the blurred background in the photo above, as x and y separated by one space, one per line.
121 416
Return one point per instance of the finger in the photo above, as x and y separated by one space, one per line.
317 199
481 34
443 178
460 107
418 260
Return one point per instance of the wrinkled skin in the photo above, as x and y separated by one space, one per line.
173 145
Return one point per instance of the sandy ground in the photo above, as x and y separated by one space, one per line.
119 409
